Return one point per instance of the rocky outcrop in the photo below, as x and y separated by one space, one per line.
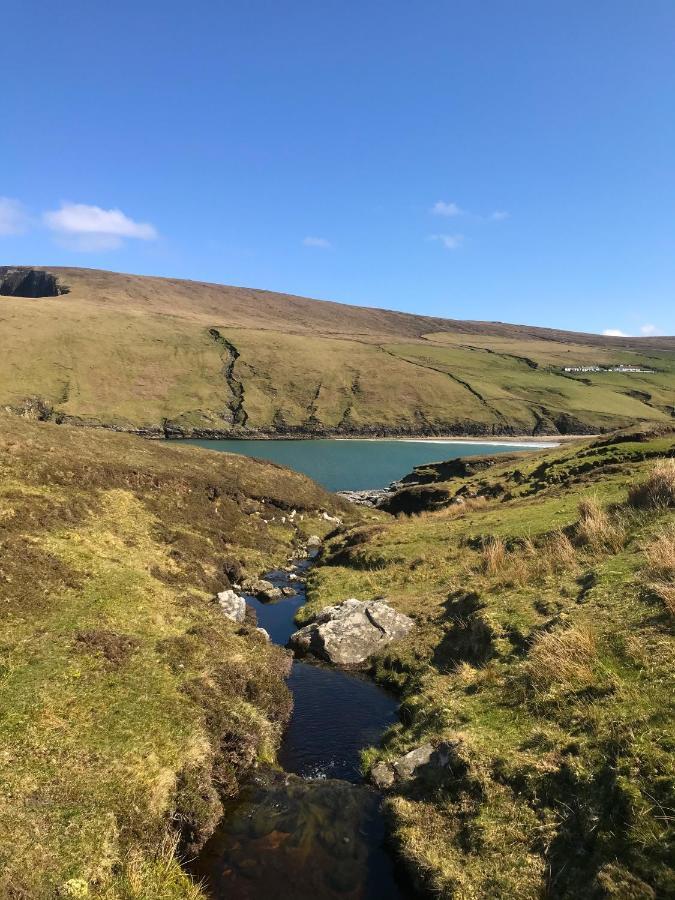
348 633
232 605
372 498
461 467
415 499
26 282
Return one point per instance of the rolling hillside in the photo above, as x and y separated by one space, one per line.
173 357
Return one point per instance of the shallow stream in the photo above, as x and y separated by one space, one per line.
314 831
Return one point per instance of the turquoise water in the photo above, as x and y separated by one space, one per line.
357 465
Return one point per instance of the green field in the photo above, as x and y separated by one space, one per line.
181 357
544 602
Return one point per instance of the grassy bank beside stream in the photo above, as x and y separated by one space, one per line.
543 590
130 705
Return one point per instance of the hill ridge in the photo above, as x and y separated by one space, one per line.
136 353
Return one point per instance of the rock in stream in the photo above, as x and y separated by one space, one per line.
348 633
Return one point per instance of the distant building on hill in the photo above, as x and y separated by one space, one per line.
619 368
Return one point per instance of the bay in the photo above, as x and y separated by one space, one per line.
355 465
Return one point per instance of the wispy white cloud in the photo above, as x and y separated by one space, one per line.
441 208
13 217
614 332
320 242
91 228
451 210
650 330
449 241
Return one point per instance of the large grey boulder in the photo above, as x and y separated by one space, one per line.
232 605
348 633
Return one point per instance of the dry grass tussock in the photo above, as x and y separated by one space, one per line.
657 491
660 555
451 511
553 555
562 658
494 556
597 529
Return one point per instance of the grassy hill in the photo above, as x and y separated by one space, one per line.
130 704
181 357
543 590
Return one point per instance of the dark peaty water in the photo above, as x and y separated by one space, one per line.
357 465
313 832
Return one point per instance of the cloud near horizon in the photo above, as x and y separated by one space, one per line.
13 217
92 228
645 331
322 243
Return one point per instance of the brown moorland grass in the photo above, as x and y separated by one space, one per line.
562 659
598 528
119 675
660 553
658 489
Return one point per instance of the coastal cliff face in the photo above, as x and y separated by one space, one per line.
162 357
133 705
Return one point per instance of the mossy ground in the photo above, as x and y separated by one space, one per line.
130 705
543 653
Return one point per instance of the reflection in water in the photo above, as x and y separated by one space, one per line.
291 839
314 837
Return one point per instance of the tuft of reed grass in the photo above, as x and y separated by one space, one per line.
494 556
597 529
660 555
557 554
562 658
657 491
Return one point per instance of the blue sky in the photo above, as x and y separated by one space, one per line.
473 159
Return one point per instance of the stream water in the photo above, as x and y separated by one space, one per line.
314 831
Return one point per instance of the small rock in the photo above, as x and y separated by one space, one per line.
288 591
232 605
262 589
264 633
426 760
314 541
382 775
405 766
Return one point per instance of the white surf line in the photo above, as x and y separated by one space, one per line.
450 441
481 443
